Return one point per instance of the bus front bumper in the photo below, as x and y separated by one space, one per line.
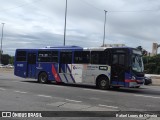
134 83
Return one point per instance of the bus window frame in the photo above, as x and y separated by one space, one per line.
88 58
61 58
124 51
50 57
102 55
21 56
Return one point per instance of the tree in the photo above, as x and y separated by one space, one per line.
152 64
7 59
11 60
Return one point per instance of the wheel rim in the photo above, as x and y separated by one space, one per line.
43 78
103 83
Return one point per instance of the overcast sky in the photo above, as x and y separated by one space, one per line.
40 23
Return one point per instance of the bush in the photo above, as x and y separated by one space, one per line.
152 64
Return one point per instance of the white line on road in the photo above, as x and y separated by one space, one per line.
147 96
73 100
93 98
14 81
57 86
108 106
46 96
20 92
95 90
2 89
20 82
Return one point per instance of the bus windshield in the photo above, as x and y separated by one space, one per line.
137 63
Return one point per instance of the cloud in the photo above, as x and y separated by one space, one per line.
40 23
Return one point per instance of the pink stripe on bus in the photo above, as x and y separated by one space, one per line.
56 76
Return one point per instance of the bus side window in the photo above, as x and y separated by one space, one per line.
21 56
54 56
31 58
122 59
99 57
44 56
66 57
95 57
82 57
118 59
115 59
104 57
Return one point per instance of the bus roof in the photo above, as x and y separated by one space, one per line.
63 47
77 48
73 48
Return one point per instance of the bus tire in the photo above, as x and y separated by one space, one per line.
103 83
43 77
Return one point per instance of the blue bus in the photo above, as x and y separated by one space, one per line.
100 66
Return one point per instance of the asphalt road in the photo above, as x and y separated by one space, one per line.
18 94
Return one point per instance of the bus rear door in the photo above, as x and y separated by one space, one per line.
65 66
31 67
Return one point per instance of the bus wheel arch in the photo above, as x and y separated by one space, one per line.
102 82
43 77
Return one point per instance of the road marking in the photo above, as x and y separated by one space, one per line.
108 106
46 96
20 92
17 81
92 98
146 96
23 82
58 86
73 100
13 81
96 90
2 89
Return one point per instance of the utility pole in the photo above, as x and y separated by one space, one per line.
1 44
65 24
104 27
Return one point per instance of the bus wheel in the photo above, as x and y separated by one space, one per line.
103 83
43 78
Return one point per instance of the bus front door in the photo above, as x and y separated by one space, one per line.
118 69
31 69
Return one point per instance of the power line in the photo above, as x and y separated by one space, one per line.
134 11
120 11
19 6
91 5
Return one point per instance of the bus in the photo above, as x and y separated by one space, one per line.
100 66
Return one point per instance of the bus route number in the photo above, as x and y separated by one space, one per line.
103 68
19 65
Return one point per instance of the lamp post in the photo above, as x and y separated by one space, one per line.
65 23
104 27
1 44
